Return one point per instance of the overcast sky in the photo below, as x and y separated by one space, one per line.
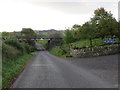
50 14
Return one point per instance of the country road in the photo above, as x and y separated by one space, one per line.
48 71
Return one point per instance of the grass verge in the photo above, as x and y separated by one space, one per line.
59 51
12 68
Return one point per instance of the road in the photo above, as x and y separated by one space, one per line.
48 71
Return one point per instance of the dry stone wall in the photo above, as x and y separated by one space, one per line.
96 51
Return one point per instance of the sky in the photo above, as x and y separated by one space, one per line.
50 14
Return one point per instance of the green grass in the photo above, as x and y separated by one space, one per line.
42 42
60 51
11 68
86 43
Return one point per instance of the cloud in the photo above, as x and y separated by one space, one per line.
80 7
68 0
44 14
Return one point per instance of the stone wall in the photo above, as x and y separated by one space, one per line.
96 51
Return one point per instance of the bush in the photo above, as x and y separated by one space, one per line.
16 44
9 52
28 48
68 37
57 51
21 46
13 48
31 42
60 51
65 48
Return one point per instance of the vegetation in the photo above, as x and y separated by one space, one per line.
68 38
61 51
105 23
15 53
44 33
11 68
43 42
9 52
14 56
29 35
101 26
96 42
55 34
17 46
57 51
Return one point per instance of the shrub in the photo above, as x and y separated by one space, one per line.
61 51
9 52
65 48
16 44
13 48
57 51
28 48
31 42
21 46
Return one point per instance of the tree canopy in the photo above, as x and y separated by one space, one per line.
28 33
101 25
105 22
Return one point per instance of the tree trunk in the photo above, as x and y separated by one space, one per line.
91 44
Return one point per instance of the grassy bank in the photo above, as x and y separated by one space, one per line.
61 51
12 68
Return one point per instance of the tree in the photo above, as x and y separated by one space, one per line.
105 23
76 27
56 38
117 30
68 36
5 35
76 31
29 35
17 34
88 31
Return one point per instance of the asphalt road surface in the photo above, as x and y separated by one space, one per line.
48 71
